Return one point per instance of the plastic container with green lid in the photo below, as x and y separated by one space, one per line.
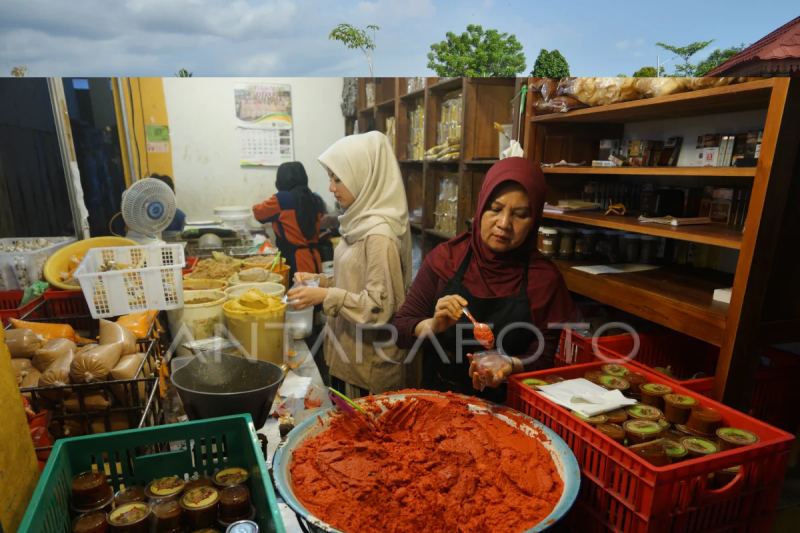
130 518
698 447
534 383
615 370
553 379
636 379
614 383
593 420
594 376
676 451
617 416
663 423
641 431
644 412
612 431
704 419
678 408
732 438
653 394
654 452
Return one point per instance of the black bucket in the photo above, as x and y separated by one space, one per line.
218 384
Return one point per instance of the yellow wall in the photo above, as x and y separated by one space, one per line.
145 104
19 468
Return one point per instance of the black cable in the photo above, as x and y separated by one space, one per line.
133 128
141 106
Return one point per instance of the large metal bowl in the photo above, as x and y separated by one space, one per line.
563 457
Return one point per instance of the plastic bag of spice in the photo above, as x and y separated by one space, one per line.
22 343
495 362
138 323
51 351
45 330
314 397
111 333
96 363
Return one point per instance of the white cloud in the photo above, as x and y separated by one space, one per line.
398 9
623 45
259 65
488 3
639 42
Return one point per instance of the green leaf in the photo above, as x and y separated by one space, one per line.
550 65
477 53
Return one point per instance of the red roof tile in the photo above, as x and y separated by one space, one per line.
783 43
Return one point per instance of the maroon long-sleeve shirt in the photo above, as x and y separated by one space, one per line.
422 299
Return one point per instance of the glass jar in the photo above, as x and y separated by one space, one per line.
631 249
647 249
549 242
580 245
539 240
566 248
589 243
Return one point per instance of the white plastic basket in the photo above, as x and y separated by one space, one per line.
157 283
20 270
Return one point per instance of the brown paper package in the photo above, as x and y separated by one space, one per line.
111 333
22 343
96 363
117 421
51 351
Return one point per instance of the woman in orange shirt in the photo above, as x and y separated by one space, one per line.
295 213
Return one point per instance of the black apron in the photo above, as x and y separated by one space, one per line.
288 250
495 312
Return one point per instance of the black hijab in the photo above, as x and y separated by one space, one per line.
292 178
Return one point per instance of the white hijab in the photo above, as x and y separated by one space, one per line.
367 166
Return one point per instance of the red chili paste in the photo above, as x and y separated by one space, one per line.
433 467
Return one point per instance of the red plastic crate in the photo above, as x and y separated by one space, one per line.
10 308
575 349
68 305
623 493
191 262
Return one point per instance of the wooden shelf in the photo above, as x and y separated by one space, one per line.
443 163
415 226
448 85
439 234
680 298
410 162
413 95
745 172
714 234
388 104
366 111
730 99
482 162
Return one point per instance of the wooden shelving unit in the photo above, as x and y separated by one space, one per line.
485 100
765 304
714 234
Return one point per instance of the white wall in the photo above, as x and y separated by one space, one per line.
202 122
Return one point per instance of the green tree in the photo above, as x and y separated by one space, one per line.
477 53
716 58
183 73
550 65
353 37
647 72
19 72
685 53
622 75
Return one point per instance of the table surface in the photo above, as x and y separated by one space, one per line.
308 368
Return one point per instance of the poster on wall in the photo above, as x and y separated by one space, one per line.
264 123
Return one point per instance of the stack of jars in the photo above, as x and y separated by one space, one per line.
449 126
588 243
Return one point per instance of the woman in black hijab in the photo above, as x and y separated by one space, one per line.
295 213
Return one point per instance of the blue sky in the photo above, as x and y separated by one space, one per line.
289 38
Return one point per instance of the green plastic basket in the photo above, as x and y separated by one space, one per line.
137 457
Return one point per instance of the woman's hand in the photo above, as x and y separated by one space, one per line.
303 297
299 277
448 311
490 377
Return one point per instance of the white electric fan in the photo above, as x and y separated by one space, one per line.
148 207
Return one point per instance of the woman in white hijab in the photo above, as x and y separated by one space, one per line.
371 268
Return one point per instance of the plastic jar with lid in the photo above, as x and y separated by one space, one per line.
539 240
631 249
549 242
610 240
589 242
647 249
567 247
580 246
